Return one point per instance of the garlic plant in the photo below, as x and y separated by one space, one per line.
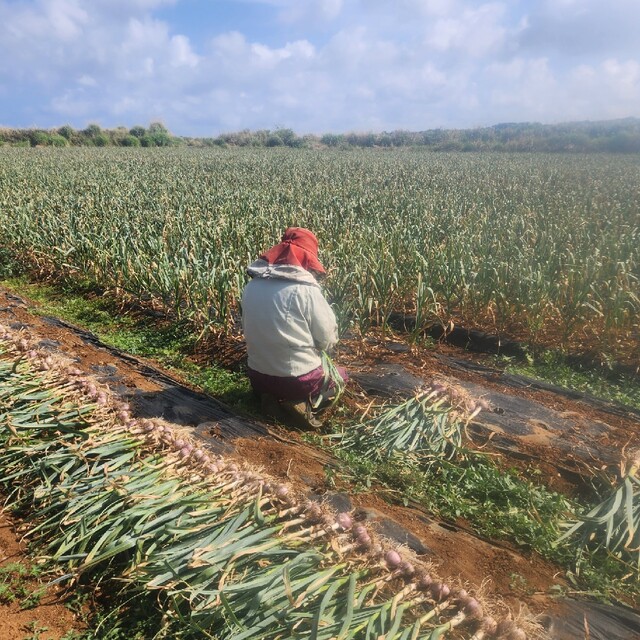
231 552
614 523
429 425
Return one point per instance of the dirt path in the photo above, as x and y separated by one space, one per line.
520 578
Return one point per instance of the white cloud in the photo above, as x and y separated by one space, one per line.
612 88
127 7
523 84
71 105
87 81
66 18
434 7
323 64
533 90
582 27
231 44
268 58
313 10
474 31
180 52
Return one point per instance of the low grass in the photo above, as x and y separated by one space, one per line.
121 615
106 614
555 368
19 582
496 504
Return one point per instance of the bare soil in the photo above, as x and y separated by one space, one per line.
50 616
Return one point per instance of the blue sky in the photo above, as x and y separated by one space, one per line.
204 67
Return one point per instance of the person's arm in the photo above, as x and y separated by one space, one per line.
322 321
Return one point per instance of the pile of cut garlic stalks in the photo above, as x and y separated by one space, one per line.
230 552
429 425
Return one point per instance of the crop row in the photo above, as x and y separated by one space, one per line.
542 247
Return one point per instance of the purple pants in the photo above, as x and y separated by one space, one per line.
301 387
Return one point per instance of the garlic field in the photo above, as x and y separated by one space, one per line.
542 249
545 248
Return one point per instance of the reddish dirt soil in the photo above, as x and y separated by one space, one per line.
50 616
514 576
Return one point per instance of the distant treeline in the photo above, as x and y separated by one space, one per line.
616 136
156 135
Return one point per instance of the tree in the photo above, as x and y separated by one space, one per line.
157 136
92 131
39 138
274 140
331 139
101 140
66 132
157 127
138 131
129 141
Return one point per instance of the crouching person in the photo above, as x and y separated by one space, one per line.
288 326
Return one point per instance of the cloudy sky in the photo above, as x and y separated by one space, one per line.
205 67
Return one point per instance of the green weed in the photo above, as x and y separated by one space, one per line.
495 503
19 583
555 368
35 630
8 266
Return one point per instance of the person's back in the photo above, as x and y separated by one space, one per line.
287 322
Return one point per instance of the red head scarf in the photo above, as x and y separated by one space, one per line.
298 247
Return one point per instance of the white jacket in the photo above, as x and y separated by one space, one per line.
286 320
